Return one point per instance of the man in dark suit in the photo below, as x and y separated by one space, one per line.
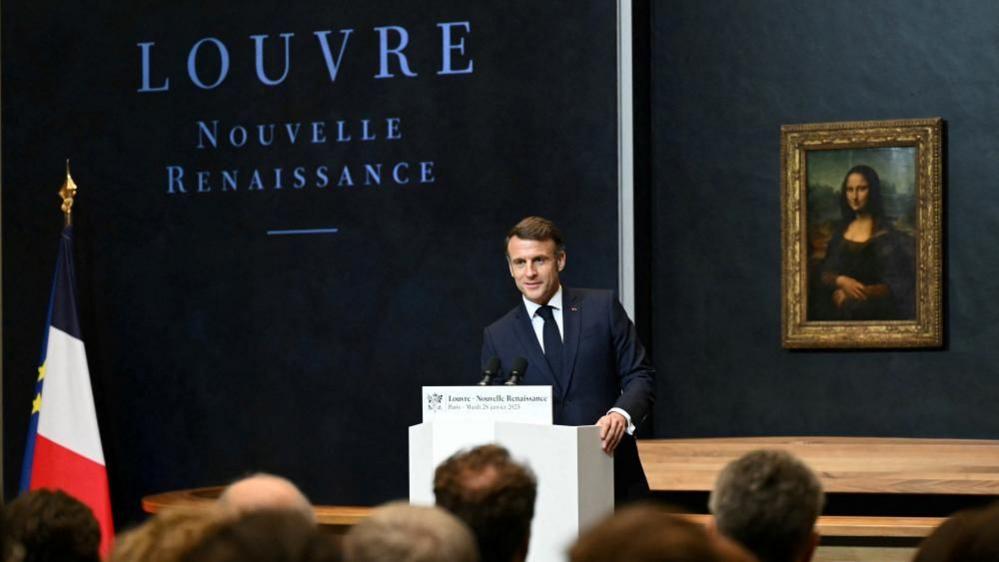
582 343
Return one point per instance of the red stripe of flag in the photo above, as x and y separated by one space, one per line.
56 467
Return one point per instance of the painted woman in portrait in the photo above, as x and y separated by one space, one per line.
869 271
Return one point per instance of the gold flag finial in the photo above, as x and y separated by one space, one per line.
68 192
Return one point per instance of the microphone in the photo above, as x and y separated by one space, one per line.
517 371
490 372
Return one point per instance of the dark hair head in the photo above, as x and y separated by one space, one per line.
539 229
266 536
52 525
968 536
768 501
9 550
493 495
875 200
644 533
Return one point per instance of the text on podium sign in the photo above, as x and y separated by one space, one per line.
525 404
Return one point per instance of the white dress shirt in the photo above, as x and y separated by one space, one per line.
539 322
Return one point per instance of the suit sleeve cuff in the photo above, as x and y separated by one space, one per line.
627 417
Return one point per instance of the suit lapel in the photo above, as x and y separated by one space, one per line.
536 357
571 322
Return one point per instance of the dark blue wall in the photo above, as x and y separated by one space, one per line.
216 349
725 76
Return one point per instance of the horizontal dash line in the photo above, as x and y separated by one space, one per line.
303 231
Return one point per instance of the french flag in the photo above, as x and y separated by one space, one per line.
64 444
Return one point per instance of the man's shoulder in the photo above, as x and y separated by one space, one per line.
578 296
571 296
508 318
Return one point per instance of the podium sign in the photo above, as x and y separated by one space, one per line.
524 404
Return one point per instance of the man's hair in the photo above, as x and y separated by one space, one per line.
493 495
536 228
407 533
967 536
645 533
266 536
52 525
169 535
10 550
265 491
768 501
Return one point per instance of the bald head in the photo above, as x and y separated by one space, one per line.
265 491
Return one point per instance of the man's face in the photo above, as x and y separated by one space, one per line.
535 267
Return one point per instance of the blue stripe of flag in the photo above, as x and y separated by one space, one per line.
63 312
62 315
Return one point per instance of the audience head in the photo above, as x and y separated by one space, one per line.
768 501
399 532
169 535
968 536
266 536
10 551
265 491
51 525
650 533
493 495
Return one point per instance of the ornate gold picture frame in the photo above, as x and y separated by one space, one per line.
861 234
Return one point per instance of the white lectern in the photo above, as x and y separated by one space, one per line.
575 477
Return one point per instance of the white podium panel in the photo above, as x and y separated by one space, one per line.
575 477
575 482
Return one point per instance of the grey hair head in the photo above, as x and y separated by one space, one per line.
768 501
401 532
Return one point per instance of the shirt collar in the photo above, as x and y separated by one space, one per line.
554 302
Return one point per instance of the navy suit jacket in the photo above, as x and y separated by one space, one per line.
604 364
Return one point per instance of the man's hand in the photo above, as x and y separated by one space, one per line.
612 427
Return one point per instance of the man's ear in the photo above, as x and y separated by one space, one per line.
561 261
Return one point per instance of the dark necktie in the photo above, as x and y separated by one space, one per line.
553 341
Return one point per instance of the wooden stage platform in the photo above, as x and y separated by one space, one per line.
916 474
913 469
844 464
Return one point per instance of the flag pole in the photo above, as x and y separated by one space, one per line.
68 192
63 450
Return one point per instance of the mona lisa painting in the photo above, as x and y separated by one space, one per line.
861 234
